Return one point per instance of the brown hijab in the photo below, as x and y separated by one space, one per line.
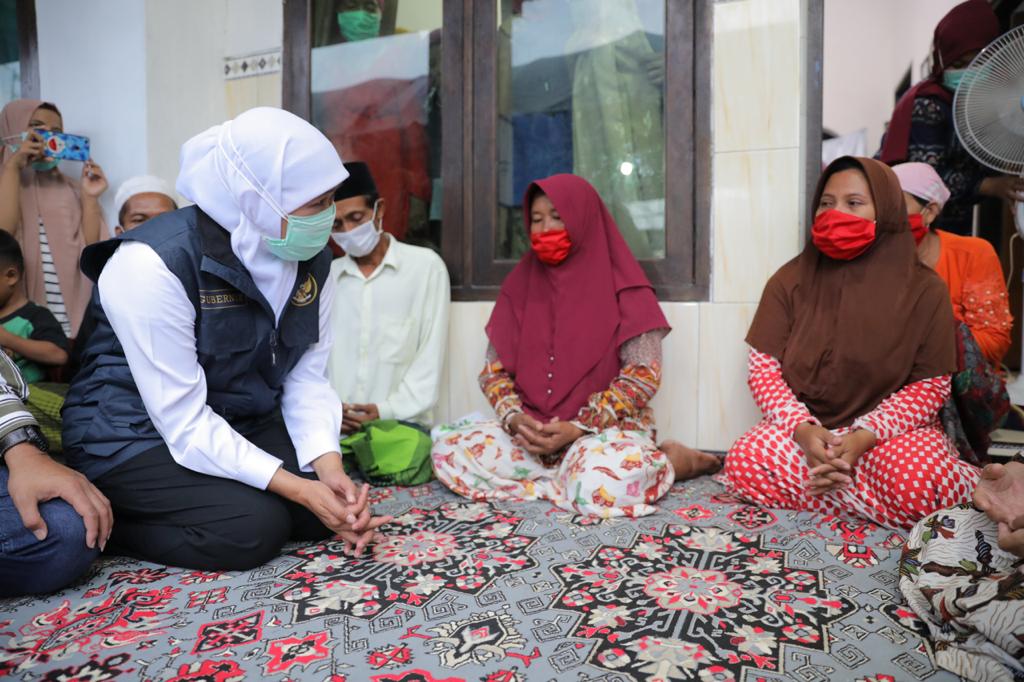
54 198
851 333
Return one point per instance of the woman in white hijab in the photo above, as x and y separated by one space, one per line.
202 410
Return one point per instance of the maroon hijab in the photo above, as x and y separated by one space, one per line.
968 27
557 330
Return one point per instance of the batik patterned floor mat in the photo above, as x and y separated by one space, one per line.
707 589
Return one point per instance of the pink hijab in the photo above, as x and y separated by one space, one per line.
557 330
53 197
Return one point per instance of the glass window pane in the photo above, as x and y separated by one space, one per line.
580 90
376 93
10 67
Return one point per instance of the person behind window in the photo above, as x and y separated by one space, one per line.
573 363
921 127
974 276
52 218
852 348
202 408
390 328
139 199
53 521
358 19
960 571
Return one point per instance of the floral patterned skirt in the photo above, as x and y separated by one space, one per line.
611 473
969 592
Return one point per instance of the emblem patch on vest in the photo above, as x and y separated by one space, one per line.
306 293
218 299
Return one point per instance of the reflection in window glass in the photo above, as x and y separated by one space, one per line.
376 84
580 90
10 68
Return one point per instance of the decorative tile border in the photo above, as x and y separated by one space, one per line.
252 65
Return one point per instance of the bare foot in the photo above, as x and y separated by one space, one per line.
687 462
1000 492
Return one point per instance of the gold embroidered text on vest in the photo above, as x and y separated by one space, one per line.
305 293
214 299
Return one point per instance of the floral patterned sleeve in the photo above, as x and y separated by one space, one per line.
624 403
499 388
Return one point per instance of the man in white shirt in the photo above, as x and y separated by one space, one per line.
390 326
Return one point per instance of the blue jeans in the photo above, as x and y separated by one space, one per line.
31 566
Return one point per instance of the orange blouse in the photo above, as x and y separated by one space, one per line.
974 275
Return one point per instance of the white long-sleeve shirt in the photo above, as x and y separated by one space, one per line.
391 332
154 321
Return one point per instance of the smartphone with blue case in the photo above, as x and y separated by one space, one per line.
65 146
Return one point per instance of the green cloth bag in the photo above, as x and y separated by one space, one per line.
389 452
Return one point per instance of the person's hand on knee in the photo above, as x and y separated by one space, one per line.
34 477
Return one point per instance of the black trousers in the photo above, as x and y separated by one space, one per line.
171 515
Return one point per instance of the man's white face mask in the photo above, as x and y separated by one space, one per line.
362 240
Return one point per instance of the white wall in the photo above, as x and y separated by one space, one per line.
140 77
868 46
92 65
252 26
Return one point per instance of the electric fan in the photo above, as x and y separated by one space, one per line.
988 112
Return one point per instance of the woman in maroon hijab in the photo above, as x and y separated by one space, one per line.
574 360
921 127
851 352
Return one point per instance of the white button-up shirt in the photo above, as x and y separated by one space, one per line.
390 332
155 323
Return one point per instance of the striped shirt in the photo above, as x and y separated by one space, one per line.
54 297
13 393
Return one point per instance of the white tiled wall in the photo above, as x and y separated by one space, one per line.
755 223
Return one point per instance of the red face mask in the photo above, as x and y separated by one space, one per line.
917 227
842 236
551 247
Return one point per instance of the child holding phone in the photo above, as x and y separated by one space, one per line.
52 217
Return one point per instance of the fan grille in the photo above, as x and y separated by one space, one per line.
988 108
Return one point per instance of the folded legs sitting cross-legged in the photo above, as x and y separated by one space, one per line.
852 348
575 358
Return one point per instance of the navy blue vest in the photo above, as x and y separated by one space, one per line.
245 357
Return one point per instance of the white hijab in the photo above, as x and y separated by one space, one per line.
251 171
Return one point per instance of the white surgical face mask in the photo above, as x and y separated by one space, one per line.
360 241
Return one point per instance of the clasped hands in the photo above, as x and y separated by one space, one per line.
831 458
335 499
539 438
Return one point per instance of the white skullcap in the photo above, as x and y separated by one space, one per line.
141 184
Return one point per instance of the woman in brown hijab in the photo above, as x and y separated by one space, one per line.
852 349
52 217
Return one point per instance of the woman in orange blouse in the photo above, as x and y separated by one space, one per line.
971 270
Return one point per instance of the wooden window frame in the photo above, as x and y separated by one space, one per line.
470 154
28 48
